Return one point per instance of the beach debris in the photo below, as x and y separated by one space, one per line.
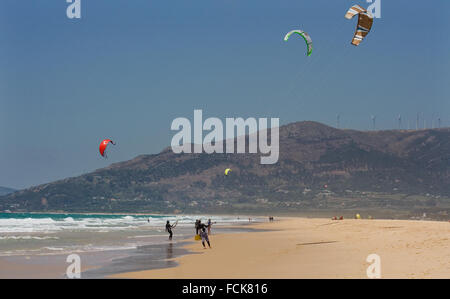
330 223
227 171
357 216
103 146
305 36
365 21
316 243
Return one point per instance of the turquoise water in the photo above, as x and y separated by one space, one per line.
74 216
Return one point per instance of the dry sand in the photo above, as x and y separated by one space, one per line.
319 248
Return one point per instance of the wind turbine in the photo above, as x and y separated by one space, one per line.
399 117
338 121
373 117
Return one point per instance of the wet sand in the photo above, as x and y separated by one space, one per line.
318 248
101 264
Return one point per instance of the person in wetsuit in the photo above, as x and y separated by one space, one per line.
197 222
201 226
205 237
169 229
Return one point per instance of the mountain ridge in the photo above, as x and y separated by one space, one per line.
6 190
320 167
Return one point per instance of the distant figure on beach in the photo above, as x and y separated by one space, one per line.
270 218
169 228
196 226
210 223
205 237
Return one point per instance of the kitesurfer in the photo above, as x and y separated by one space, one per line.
169 229
205 237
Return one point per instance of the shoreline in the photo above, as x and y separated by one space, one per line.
309 214
101 263
316 248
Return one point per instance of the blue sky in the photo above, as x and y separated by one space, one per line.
126 69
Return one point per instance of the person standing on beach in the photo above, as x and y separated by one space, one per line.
197 222
209 226
210 223
169 228
205 237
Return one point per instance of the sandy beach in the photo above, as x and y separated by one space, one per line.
318 248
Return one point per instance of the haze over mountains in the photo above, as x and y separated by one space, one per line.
320 168
5 190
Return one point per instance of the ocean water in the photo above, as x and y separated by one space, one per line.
47 234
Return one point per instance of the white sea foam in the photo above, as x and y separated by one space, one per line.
47 234
54 248
104 224
28 238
